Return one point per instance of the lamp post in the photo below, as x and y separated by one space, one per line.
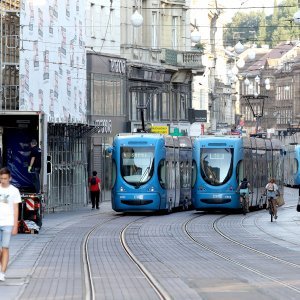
256 101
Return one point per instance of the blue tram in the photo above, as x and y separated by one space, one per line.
220 163
151 172
292 165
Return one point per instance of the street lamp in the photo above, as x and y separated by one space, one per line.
195 36
255 101
136 19
239 48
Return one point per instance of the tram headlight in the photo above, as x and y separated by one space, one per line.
122 189
152 189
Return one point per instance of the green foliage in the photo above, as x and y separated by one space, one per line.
256 27
200 46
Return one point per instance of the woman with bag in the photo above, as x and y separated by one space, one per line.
95 190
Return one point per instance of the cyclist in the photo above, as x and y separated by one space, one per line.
244 188
272 192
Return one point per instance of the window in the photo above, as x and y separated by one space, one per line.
137 164
216 165
174 106
108 95
154 29
92 20
165 106
162 173
174 32
194 173
183 107
113 173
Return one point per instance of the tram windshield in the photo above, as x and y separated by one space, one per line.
137 164
216 165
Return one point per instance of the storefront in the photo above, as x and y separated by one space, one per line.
106 80
161 95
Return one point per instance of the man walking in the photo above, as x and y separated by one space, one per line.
9 212
34 166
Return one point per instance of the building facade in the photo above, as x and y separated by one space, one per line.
43 70
160 64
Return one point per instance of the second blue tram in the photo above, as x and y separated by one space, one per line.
220 163
151 172
292 165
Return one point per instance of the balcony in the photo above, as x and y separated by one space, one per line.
177 59
182 59
141 54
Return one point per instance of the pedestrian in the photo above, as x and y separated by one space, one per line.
34 166
95 190
9 212
272 193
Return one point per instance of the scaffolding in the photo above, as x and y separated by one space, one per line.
9 48
67 153
66 144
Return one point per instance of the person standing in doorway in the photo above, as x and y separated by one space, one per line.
9 212
34 166
95 190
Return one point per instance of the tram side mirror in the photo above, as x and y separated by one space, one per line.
108 151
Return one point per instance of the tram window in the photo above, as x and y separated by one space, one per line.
162 173
295 166
216 165
239 172
113 173
187 175
137 164
194 173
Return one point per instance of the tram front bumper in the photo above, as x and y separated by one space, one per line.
128 201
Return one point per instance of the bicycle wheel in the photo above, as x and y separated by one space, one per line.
271 210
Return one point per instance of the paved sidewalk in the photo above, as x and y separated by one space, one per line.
26 249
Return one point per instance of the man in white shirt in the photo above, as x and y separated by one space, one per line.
9 212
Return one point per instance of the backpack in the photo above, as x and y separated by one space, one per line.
270 187
93 181
244 185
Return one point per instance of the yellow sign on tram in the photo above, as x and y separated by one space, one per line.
160 129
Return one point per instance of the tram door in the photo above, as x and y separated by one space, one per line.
177 172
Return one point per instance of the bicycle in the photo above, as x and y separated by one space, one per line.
272 209
244 203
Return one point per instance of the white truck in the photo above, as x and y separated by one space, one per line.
17 129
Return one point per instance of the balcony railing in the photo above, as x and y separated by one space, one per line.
141 54
185 59
181 59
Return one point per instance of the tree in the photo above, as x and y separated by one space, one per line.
269 30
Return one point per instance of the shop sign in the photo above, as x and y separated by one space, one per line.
105 126
160 129
117 66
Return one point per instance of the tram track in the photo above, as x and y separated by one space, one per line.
160 291
256 271
228 238
88 280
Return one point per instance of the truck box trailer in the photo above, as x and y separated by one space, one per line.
17 129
